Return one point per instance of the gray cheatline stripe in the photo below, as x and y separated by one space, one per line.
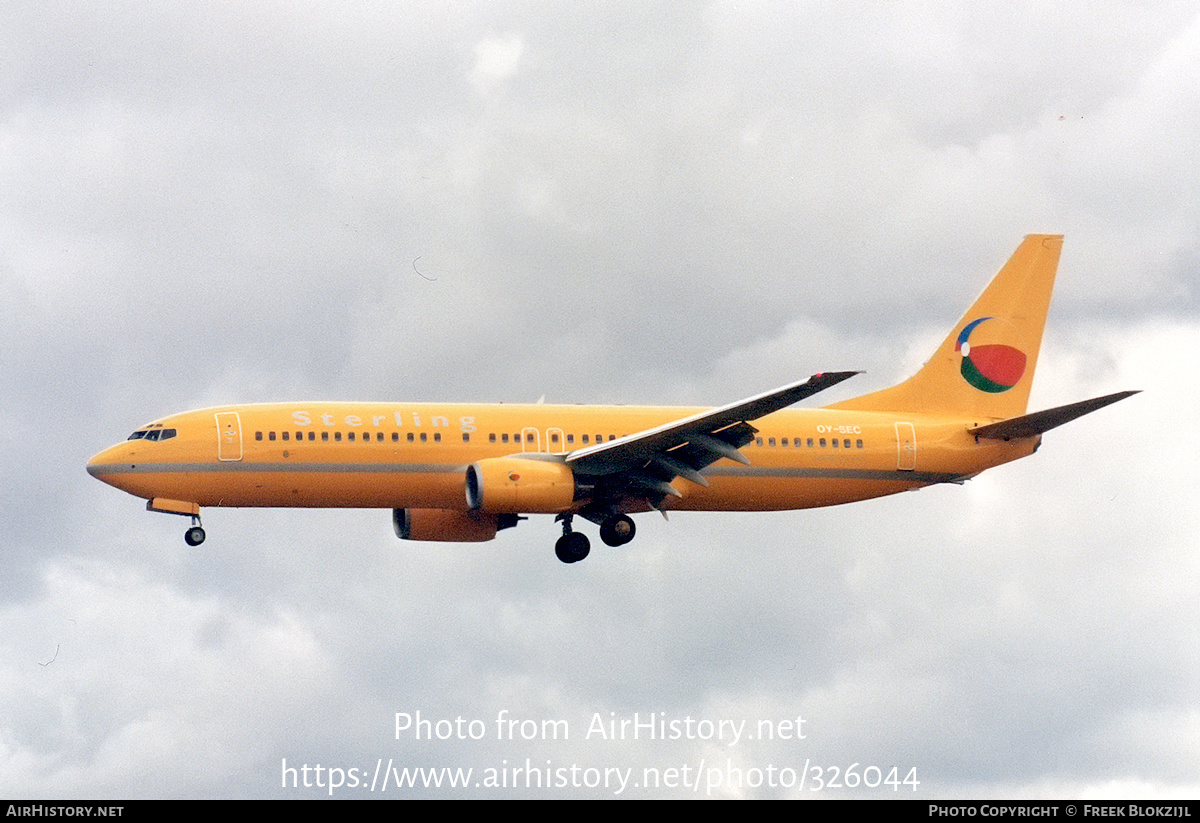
449 468
279 468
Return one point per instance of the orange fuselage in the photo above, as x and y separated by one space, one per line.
387 455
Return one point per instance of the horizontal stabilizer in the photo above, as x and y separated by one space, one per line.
1029 425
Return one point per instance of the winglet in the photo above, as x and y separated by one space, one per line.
1029 425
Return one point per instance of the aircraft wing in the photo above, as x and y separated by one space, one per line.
651 459
1028 425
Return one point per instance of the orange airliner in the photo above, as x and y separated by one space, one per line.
463 472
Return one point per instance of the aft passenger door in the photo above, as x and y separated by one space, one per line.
229 436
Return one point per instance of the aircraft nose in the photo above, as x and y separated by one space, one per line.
103 465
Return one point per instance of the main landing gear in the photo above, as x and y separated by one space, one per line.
617 530
574 546
195 535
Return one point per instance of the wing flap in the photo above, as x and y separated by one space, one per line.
674 467
725 444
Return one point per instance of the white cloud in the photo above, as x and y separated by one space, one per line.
496 61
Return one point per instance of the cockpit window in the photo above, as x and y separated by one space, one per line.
153 433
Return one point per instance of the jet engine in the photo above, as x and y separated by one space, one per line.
448 525
519 484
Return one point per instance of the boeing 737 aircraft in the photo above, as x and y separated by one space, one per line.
456 472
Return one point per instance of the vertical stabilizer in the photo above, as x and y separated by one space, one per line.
984 368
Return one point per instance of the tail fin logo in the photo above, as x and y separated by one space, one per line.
988 363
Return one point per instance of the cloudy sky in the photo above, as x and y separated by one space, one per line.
597 202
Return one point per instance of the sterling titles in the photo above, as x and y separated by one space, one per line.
302 418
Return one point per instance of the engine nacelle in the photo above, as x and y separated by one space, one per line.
446 525
519 484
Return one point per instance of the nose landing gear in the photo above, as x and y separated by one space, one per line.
195 535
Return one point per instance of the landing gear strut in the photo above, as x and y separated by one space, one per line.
195 535
572 546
